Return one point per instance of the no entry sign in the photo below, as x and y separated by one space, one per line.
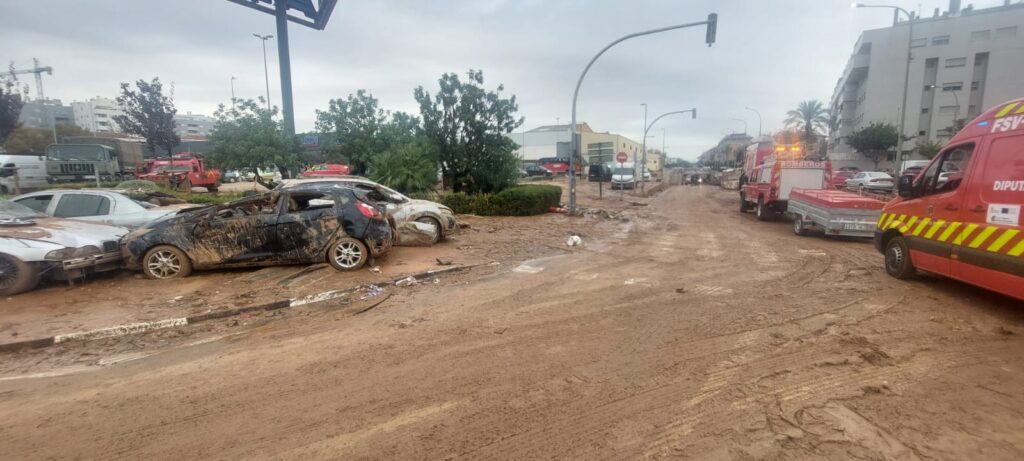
621 157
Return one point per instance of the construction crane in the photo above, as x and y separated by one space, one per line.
34 70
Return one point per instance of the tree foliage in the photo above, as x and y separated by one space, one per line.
927 149
809 117
874 141
11 102
351 128
28 139
407 167
148 114
465 124
248 135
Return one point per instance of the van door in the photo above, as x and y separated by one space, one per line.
993 256
934 225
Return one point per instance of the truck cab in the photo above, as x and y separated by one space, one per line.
771 171
961 216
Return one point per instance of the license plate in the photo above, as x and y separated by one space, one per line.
849 226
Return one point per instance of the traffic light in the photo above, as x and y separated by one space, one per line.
712 28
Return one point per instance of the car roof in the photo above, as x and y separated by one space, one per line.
292 183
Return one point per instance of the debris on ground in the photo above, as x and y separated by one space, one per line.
410 280
415 233
372 291
680 290
371 306
637 203
444 261
464 225
375 269
574 240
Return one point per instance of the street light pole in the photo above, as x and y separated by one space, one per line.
744 124
266 74
711 22
648 128
233 78
758 119
643 153
906 72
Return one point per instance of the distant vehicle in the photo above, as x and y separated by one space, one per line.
538 170
102 206
111 159
556 165
271 173
912 171
772 171
31 171
599 172
871 180
624 176
34 246
326 169
854 169
912 167
647 175
231 176
303 225
183 171
839 178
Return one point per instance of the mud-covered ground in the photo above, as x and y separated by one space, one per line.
686 330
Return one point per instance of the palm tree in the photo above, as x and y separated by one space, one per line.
809 117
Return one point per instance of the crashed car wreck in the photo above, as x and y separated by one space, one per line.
318 223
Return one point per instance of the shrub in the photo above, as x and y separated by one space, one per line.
523 200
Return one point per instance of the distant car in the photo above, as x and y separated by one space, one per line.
912 171
306 224
34 246
840 178
326 169
647 175
537 170
854 169
103 206
403 210
601 173
231 176
876 180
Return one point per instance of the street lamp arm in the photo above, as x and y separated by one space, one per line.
694 110
861 5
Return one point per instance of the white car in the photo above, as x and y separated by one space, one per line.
101 206
871 180
413 218
33 246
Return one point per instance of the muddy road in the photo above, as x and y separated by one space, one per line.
688 331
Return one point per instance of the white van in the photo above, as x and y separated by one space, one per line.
31 172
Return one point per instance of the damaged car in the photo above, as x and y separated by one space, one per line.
34 247
418 222
104 206
316 223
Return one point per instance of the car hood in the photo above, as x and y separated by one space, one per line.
622 177
66 232
424 205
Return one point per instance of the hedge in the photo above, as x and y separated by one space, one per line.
524 200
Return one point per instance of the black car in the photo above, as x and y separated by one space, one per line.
537 170
315 223
599 173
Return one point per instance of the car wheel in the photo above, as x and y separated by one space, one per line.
438 232
16 276
897 259
166 262
798 225
762 210
348 254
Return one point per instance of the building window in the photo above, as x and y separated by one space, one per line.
940 40
918 42
924 111
931 62
1006 32
922 133
948 110
972 110
956 62
980 35
952 86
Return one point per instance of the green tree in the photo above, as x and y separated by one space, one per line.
927 149
466 125
809 117
28 139
352 128
874 141
407 167
248 135
148 114
11 102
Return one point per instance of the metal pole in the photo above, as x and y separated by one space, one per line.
758 119
643 153
744 124
233 78
266 74
648 127
287 110
712 23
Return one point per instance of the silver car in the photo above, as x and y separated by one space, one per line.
33 246
418 222
876 180
103 206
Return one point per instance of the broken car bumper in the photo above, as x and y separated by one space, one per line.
91 261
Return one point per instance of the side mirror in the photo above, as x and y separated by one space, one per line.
905 186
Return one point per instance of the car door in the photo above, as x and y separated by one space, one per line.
308 224
242 233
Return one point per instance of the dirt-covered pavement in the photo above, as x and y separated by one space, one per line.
687 330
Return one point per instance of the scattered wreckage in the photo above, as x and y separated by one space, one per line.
303 224
34 246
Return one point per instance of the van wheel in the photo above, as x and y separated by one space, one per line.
798 226
16 276
897 259
348 254
744 207
762 210
166 262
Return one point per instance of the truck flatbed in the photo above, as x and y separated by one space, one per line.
837 212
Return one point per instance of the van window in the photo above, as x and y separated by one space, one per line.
76 205
36 202
1002 178
946 173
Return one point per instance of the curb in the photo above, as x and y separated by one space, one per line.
142 327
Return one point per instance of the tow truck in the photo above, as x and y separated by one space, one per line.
772 170
181 171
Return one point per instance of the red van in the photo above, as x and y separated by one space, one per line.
961 216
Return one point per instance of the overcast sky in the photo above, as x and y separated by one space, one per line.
770 55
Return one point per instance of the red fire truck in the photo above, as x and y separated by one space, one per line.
772 170
182 171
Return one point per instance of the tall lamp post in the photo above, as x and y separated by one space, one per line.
758 119
744 124
906 73
643 153
712 23
266 74
647 128
233 78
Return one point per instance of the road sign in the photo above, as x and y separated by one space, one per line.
621 157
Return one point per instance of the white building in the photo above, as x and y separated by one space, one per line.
554 141
97 115
964 61
193 125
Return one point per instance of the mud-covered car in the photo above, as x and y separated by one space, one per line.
34 246
317 223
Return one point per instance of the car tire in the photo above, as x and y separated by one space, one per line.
212 189
798 225
762 210
348 254
166 262
897 258
439 235
16 276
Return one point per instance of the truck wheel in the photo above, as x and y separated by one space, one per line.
743 203
16 276
762 210
897 259
798 225
212 189
348 254
166 262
